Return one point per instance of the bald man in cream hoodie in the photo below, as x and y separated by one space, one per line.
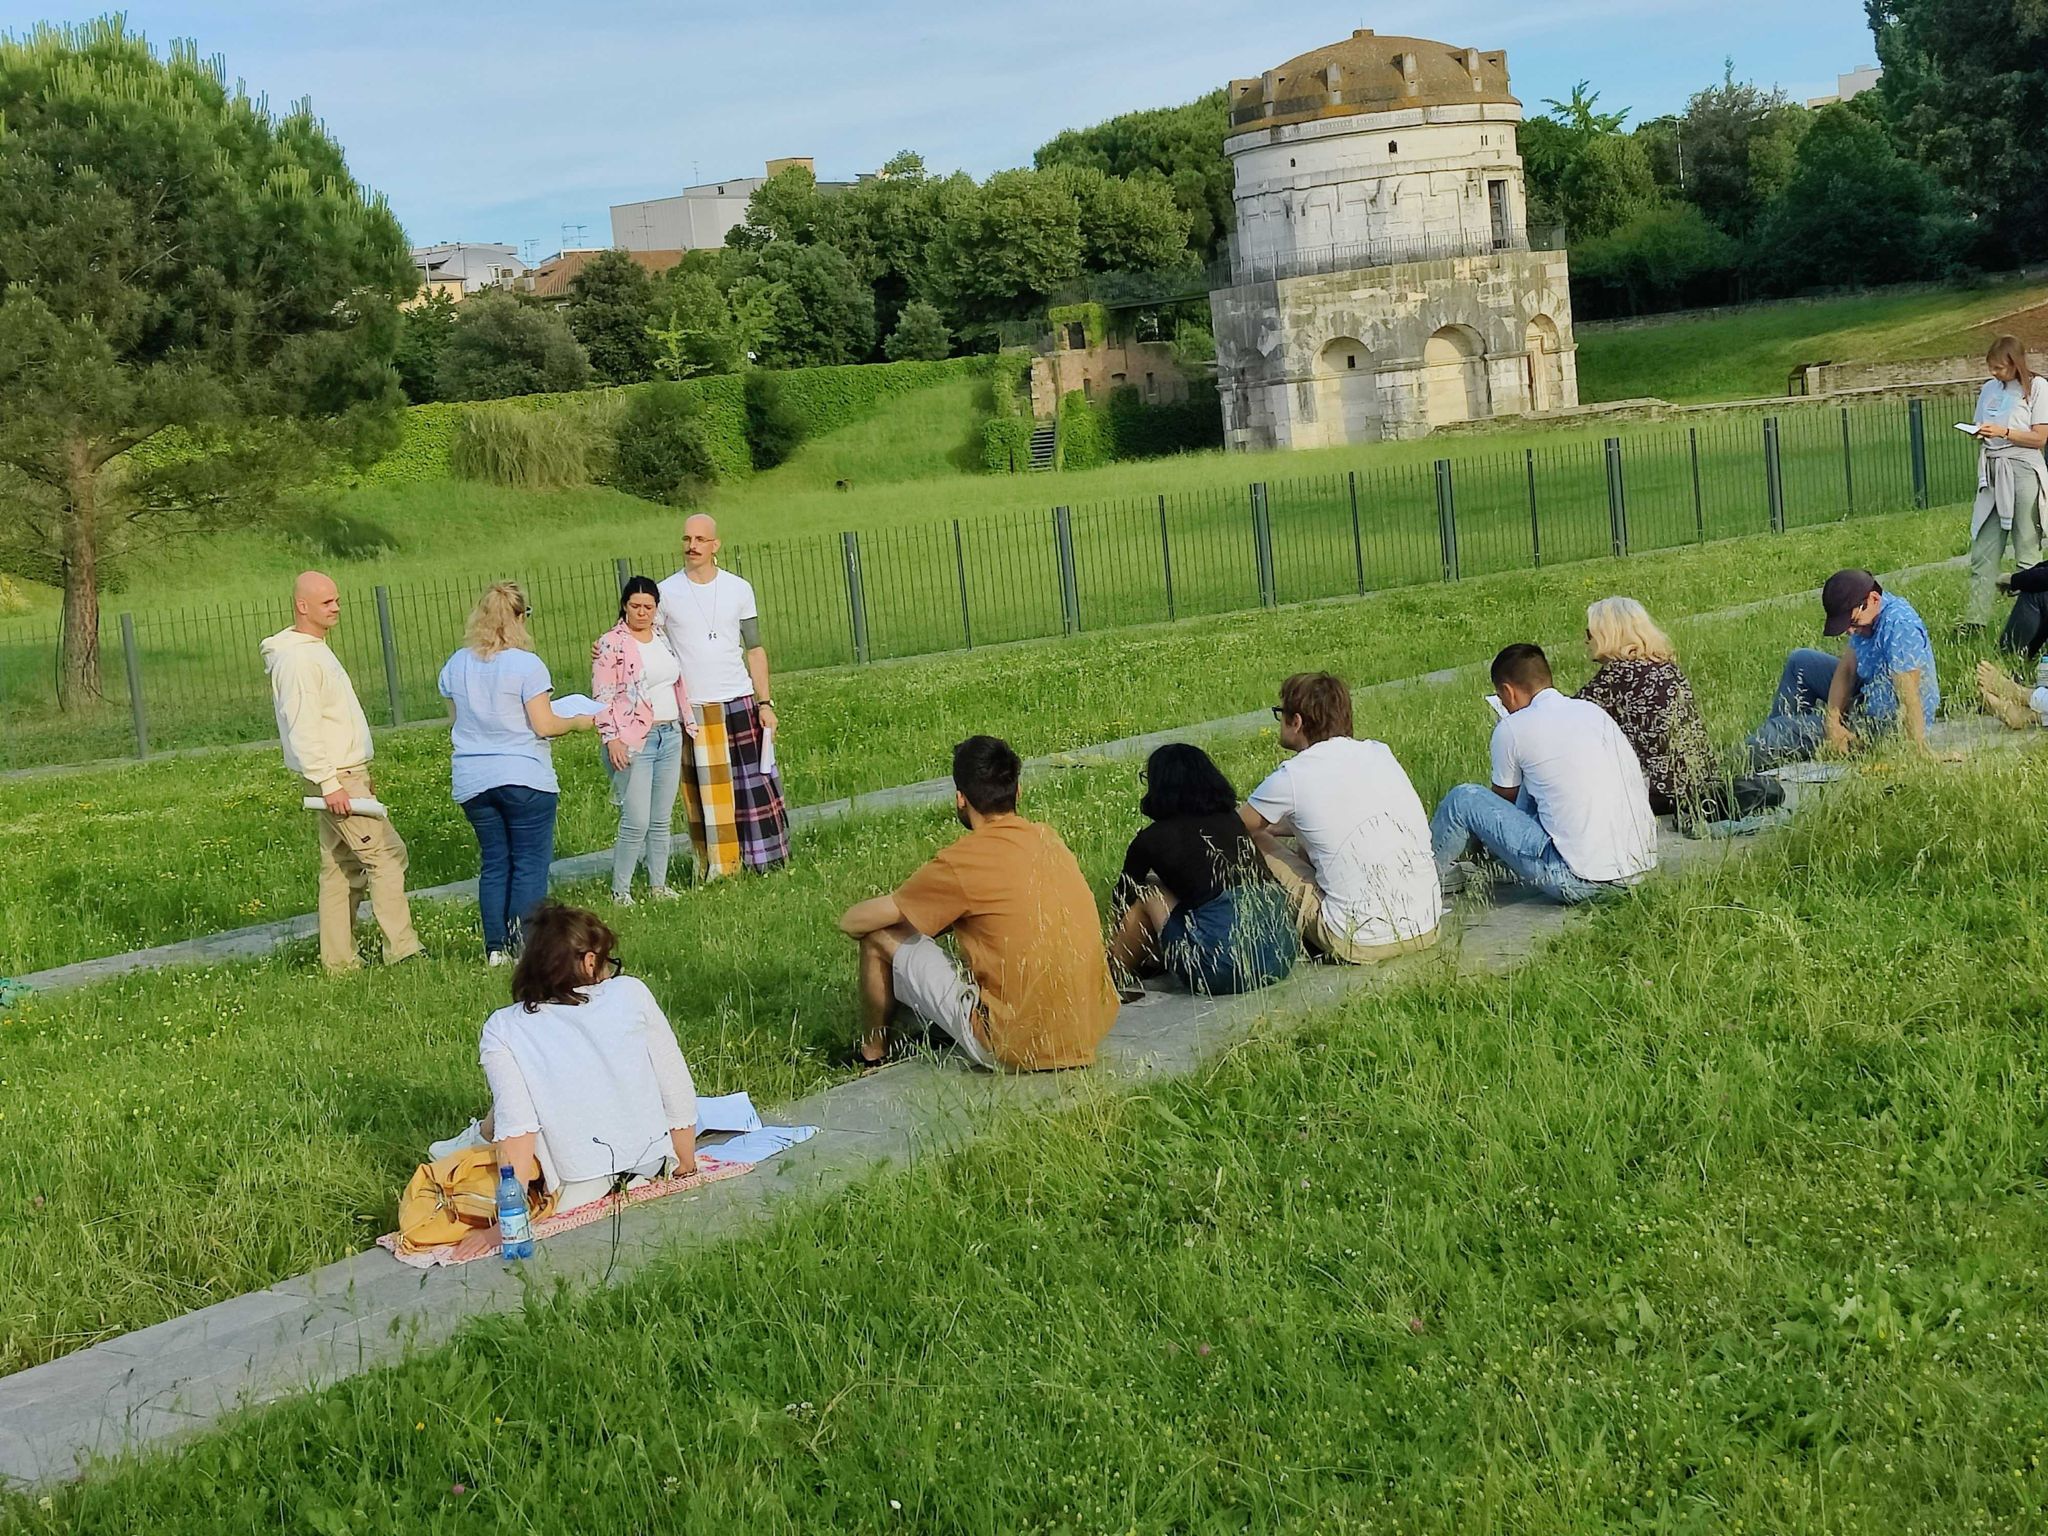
327 742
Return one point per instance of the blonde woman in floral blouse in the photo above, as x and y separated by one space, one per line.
1639 683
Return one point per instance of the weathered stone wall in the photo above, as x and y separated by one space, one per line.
1827 378
1392 351
1147 366
1408 176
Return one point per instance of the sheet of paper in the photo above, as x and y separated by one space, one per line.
1964 426
768 752
1500 710
358 805
726 1112
576 704
758 1146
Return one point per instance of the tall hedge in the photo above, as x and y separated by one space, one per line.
1006 435
1084 433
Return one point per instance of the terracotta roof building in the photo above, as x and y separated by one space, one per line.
551 279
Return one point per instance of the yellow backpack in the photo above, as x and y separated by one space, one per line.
445 1201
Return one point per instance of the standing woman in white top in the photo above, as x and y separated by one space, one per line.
589 1089
636 675
2012 475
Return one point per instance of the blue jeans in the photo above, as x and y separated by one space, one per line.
1797 723
515 835
1238 941
1511 833
645 793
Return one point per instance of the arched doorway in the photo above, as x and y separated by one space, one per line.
1545 364
1347 399
1454 377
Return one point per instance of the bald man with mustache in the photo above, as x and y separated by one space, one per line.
737 818
326 741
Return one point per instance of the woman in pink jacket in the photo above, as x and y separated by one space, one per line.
636 677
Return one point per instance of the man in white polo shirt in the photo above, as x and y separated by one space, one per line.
1358 868
1567 811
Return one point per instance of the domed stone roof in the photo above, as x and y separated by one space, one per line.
1369 73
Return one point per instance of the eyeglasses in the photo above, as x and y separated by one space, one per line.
615 966
525 613
1279 712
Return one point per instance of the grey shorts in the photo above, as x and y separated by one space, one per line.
931 985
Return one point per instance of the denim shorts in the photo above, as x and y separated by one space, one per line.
1239 941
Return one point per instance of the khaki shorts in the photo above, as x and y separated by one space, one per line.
931 984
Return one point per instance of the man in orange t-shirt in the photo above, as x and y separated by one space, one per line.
1031 990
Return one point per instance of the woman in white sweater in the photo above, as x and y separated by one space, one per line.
2011 421
589 1089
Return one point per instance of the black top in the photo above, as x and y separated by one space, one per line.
2033 579
1193 858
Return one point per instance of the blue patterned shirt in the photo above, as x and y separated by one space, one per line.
1897 642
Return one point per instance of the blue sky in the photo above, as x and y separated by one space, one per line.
528 117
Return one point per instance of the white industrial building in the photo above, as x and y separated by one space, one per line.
698 218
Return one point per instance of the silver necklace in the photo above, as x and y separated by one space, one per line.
710 625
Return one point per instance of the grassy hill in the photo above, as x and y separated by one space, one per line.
1747 354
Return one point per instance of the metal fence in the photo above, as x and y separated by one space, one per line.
191 676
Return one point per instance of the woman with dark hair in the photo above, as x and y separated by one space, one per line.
588 1085
638 679
1196 898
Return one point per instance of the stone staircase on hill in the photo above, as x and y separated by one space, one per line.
1044 444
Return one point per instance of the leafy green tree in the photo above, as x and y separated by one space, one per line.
659 449
422 333
610 302
1660 259
1731 135
1009 245
709 329
500 347
824 310
1966 92
1856 211
921 335
198 310
1182 144
1608 183
1126 225
775 427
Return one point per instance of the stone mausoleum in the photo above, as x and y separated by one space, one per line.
1381 280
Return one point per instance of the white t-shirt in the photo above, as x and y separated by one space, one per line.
603 1082
1361 824
1586 782
702 622
659 671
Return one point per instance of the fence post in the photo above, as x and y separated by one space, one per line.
1166 560
1357 537
1535 525
1848 465
1262 547
1916 425
1699 504
622 568
1447 518
960 569
394 690
856 599
138 712
1617 499
1774 477
1070 579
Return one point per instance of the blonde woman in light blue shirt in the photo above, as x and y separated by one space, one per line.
2011 423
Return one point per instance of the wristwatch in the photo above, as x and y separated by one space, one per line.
767 704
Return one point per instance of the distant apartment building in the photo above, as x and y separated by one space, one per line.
457 269
1848 87
700 217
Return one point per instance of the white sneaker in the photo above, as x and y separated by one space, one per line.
471 1136
666 893
623 899
496 958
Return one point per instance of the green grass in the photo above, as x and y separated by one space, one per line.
156 1126
112 860
1719 1216
1749 353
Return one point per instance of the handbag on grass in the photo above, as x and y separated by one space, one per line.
448 1199
1734 799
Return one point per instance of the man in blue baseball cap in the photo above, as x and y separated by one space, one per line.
1883 680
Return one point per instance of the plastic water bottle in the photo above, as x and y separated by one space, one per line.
515 1228
2041 671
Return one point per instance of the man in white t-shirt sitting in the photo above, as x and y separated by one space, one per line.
1567 811
1358 869
730 787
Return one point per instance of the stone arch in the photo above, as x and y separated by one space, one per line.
1544 364
1347 393
1454 377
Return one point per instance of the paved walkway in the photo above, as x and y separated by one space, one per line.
264 938
180 1377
